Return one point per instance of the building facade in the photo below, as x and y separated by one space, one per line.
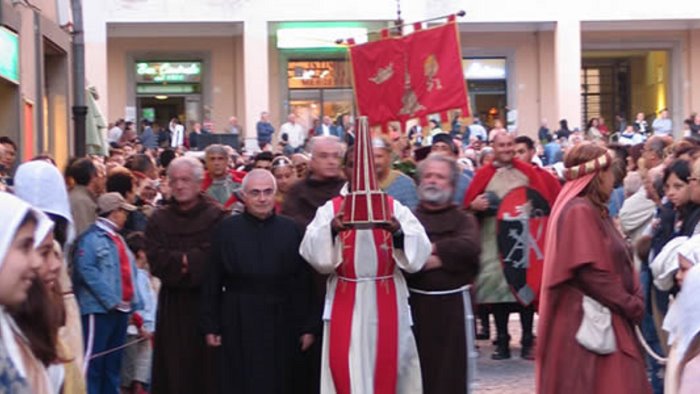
524 61
35 77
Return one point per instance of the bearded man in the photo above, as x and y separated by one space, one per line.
178 243
440 292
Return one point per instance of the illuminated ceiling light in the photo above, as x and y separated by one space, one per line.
161 97
318 37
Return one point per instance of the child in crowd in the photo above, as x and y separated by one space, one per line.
136 365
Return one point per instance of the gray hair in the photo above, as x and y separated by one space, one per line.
258 173
215 149
195 165
320 139
657 145
438 158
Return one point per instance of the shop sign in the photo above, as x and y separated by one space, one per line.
9 60
318 74
175 72
484 68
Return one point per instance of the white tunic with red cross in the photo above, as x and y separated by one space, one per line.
368 345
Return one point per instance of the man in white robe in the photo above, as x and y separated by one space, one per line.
368 345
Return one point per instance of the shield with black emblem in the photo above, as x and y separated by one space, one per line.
522 224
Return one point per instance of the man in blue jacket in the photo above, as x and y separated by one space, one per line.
104 281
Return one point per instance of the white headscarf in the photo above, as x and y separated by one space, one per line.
665 264
42 185
12 212
43 227
690 249
689 310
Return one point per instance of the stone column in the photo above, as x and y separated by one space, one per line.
256 76
567 71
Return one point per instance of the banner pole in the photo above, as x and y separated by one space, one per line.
460 14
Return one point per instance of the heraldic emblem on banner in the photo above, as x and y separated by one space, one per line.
412 76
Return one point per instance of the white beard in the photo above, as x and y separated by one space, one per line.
434 195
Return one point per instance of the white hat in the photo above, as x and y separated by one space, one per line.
12 212
665 264
41 184
688 310
43 227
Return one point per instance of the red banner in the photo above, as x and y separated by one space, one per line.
435 68
378 75
410 77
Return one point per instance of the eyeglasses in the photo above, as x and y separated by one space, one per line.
255 193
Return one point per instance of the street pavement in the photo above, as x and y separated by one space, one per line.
514 376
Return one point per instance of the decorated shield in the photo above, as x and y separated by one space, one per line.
522 224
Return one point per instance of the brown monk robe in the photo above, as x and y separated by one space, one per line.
307 195
439 320
182 361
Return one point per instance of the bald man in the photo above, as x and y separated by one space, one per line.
265 310
491 184
323 182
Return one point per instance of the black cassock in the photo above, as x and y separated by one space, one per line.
259 297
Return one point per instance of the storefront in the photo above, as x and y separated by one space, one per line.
486 80
9 84
315 71
318 88
168 89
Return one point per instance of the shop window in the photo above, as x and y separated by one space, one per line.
318 74
319 88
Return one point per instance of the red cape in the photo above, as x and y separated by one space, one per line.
236 176
543 182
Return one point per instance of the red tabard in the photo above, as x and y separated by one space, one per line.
386 364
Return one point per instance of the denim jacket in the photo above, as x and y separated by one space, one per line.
97 279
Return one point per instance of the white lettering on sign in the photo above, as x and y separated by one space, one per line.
169 71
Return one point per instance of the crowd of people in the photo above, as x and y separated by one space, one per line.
168 266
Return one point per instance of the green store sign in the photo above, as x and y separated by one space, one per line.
168 72
9 60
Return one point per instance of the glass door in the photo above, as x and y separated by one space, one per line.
306 105
337 102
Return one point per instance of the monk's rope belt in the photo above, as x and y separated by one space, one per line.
368 279
469 335
124 346
648 349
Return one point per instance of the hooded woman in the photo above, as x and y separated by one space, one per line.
671 267
18 265
586 256
688 333
42 185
